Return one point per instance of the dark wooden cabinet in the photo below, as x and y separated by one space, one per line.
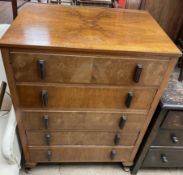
163 143
85 81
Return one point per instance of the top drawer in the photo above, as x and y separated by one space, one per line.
173 120
60 68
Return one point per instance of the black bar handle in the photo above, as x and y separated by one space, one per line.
48 138
129 99
138 71
45 121
113 154
122 121
49 155
174 138
164 158
117 139
41 67
44 94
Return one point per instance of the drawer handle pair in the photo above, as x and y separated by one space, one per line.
164 158
44 95
48 138
45 121
113 154
129 99
49 155
117 139
122 121
41 68
137 74
174 138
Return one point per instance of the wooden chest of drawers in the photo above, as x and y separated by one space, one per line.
85 81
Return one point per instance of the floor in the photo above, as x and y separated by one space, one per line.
6 15
94 169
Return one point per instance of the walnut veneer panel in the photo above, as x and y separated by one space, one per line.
97 121
85 97
80 154
81 138
94 29
63 68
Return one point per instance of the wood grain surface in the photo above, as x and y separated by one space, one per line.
76 68
80 154
83 120
84 28
91 97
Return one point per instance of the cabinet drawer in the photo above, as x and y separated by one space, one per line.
60 68
80 154
65 96
169 138
100 121
81 138
173 120
164 158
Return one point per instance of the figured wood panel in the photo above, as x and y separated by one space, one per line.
173 120
85 97
58 68
88 29
81 138
87 69
97 121
80 154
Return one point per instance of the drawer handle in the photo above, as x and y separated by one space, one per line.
138 71
49 155
164 158
122 121
129 99
117 139
41 67
45 120
174 138
48 138
113 154
44 94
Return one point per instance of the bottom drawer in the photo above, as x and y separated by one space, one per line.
164 158
80 154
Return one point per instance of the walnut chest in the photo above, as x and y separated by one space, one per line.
85 81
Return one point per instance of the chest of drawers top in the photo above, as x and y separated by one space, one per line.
88 29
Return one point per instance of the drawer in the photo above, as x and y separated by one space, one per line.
100 121
81 138
173 120
89 97
80 154
169 138
60 68
164 158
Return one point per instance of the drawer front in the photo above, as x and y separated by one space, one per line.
80 138
80 154
169 138
173 120
164 158
85 97
98 121
87 69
